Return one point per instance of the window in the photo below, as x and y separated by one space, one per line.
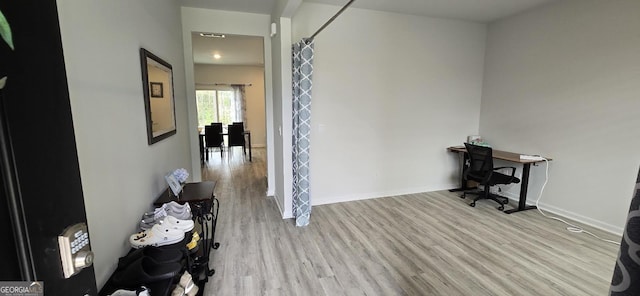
215 106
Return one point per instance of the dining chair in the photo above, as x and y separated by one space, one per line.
236 137
213 137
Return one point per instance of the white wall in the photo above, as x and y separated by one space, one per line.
390 93
281 55
121 174
254 94
563 80
282 124
217 21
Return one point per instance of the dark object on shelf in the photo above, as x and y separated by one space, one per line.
145 271
159 254
157 288
481 170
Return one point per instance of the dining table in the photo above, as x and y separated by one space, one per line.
205 156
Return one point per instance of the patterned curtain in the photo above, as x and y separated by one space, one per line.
302 84
240 103
626 275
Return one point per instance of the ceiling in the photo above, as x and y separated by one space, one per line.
246 50
233 50
470 10
253 6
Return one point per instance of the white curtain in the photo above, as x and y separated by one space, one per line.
302 84
239 95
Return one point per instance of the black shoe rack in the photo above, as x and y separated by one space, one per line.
205 208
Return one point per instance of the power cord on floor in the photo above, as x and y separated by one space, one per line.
571 227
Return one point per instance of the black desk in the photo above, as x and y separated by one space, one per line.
508 156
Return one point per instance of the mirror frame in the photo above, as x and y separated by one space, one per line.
145 55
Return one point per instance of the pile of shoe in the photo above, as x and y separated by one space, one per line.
166 225
186 286
160 253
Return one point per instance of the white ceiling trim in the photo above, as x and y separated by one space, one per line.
469 10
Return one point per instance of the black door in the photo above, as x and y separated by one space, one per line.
42 192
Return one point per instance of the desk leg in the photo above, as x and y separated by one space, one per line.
250 156
522 201
463 183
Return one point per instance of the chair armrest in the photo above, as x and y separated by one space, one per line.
513 170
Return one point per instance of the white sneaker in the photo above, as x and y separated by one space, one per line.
157 211
173 209
142 291
177 210
188 287
157 217
157 236
179 224
194 291
178 291
176 205
186 280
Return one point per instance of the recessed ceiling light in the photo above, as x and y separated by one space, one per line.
212 35
217 56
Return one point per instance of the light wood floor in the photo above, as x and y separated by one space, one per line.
419 244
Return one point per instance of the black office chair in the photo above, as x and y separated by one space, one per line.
213 137
481 170
236 137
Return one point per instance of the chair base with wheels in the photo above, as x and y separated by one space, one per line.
485 194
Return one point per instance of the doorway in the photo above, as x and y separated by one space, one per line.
229 78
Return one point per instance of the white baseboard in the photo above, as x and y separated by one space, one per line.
282 212
372 195
567 214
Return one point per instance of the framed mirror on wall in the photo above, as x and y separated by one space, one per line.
159 105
